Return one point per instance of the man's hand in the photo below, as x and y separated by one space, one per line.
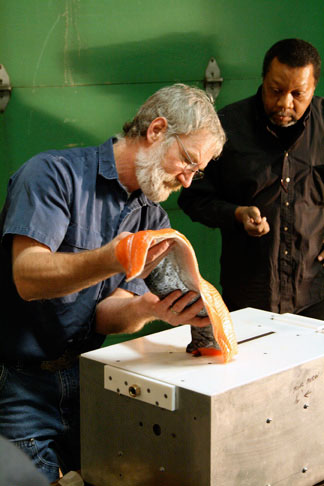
155 254
320 257
172 309
124 312
253 223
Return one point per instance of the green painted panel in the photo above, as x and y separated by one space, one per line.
72 42
68 42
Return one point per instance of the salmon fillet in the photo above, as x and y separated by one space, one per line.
132 251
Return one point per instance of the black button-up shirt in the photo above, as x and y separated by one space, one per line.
281 171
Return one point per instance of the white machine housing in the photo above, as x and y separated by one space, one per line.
154 415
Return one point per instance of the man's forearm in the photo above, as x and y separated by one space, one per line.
122 314
41 274
207 209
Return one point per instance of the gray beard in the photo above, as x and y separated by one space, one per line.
155 183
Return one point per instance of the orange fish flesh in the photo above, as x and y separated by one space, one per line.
132 251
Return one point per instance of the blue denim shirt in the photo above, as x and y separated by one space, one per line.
69 200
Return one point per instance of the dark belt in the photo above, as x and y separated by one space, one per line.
66 360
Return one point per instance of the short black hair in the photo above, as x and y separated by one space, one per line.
294 53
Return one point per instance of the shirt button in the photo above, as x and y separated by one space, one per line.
286 252
286 228
287 179
287 203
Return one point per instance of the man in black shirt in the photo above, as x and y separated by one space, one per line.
266 192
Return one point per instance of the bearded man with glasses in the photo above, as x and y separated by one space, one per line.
62 288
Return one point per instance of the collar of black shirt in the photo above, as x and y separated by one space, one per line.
287 135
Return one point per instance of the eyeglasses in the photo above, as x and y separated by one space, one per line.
190 165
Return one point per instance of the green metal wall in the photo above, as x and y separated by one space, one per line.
80 68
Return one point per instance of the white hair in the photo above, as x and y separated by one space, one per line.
186 109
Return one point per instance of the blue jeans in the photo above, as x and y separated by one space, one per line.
40 413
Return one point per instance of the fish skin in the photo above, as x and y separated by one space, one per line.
166 277
179 270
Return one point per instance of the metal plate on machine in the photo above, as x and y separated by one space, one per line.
139 387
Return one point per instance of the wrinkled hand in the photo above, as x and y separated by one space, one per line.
155 254
253 223
174 311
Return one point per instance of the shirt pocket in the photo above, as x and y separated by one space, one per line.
80 238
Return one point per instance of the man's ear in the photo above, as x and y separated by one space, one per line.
156 129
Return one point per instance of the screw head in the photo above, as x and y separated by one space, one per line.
134 390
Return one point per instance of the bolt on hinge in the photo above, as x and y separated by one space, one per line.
5 88
213 80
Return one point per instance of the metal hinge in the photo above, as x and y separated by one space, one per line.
213 80
5 88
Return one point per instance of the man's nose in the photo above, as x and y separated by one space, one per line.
286 100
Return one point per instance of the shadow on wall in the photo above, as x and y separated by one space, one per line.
103 87
167 59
